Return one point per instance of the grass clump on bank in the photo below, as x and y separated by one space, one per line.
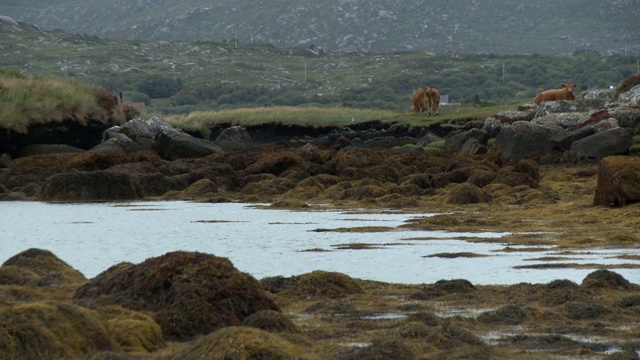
25 101
200 121
310 116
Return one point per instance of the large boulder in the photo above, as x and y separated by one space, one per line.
627 116
119 143
564 120
616 141
455 142
234 138
618 181
633 95
525 140
175 144
560 106
187 293
139 128
562 141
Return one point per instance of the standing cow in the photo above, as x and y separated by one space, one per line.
426 99
421 100
566 93
434 103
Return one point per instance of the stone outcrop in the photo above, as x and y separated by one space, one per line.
234 138
525 140
618 181
616 141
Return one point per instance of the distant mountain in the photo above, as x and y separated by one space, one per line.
491 26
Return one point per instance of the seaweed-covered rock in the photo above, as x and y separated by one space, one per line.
16 275
51 330
236 343
380 349
506 315
132 330
270 320
606 279
578 310
187 293
618 181
467 193
442 288
97 185
315 283
44 264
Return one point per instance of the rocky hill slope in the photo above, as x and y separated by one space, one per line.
496 26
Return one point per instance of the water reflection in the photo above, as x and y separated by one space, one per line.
93 237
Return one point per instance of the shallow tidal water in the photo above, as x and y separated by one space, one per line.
91 237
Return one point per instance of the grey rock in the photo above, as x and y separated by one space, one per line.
615 141
523 140
118 143
563 140
633 95
564 120
234 138
455 142
175 144
560 106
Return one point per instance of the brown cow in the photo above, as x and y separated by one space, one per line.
566 93
420 99
434 103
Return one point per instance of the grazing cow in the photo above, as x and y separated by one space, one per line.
434 103
420 99
566 93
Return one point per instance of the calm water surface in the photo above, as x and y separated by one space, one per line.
266 242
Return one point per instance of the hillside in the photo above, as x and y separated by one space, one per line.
491 26
181 77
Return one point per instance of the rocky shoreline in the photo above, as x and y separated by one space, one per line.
546 179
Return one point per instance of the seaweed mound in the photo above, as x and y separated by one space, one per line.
316 283
51 330
235 343
443 288
381 349
133 331
49 269
606 279
187 293
272 321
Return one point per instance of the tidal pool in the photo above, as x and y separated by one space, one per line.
91 237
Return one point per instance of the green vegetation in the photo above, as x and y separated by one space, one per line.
200 121
24 101
181 78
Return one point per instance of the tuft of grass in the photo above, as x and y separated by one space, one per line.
200 121
311 116
25 101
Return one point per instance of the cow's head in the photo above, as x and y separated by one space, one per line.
569 86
